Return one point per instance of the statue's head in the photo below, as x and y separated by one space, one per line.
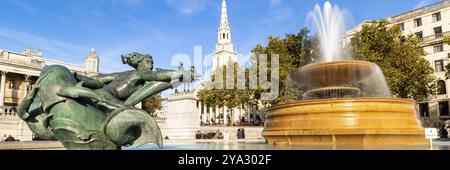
138 61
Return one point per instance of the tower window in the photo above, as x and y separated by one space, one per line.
227 36
223 35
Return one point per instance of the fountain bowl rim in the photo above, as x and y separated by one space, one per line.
340 62
340 100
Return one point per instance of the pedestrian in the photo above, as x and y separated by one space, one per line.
443 133
10 139
238 133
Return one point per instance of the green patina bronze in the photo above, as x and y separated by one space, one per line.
98 112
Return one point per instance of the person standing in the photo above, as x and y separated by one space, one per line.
443 133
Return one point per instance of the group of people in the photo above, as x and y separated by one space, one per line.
209 135
8 138
241 133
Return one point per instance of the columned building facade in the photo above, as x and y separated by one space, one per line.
19 72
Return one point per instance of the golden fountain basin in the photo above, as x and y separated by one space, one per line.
342 122
336 73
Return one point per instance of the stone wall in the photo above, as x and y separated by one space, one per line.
14 126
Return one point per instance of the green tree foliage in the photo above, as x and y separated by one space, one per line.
408 74
447 67
294 50
220 95
152 103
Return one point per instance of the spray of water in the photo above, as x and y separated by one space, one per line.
330 27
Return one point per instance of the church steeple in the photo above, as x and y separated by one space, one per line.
224 51
224 15
224 32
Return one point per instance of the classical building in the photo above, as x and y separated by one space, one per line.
431 25
19 72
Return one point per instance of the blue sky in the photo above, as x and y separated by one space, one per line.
67 29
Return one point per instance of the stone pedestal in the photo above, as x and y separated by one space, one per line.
183 118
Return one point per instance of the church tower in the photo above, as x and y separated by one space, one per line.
224 50
92 62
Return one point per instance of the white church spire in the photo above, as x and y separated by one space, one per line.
224 51
224 15
224 32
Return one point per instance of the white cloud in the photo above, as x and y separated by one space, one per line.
23 6
188 6
59 50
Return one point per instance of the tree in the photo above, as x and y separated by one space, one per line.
152 104
408 74
220 95
447 67
294 50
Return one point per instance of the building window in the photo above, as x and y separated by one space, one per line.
402 26
423 110
419 35
438 31
443 108
418 22
439 65
438 48
223 35
441 87
436 17
12 85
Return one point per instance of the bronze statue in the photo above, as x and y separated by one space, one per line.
98 112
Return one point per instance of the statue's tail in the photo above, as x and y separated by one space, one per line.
133 126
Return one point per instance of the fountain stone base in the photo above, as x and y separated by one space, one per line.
344 103
356 122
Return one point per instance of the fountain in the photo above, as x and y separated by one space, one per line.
342 102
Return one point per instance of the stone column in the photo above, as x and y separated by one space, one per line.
2 88
211 115
216 114
225 116
201 113
27 85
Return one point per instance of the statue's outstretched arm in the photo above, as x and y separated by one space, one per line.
163 76
24 106
149 89
97 81
106 78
